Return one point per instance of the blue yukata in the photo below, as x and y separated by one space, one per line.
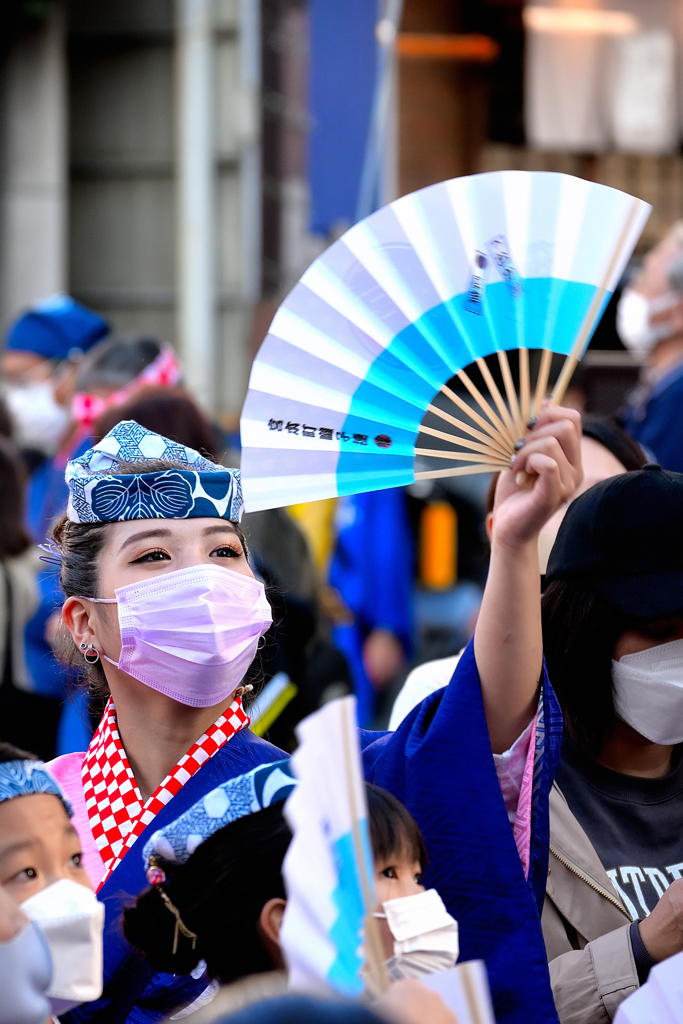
373 570
656 421
439 764
133 992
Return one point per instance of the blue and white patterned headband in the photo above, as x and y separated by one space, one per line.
24 778
96 495
175 843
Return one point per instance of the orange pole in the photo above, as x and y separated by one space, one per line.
440 46
439 545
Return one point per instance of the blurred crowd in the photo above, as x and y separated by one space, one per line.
425 603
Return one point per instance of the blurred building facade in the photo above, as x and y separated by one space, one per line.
131 172
156 155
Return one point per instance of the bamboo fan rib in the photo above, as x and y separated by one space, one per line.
377 370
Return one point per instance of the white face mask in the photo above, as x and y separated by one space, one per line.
39 420
25 972
71 919
425 935
648 692
634 324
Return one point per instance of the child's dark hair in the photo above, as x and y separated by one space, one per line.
214 901
8 752
393 830
580 630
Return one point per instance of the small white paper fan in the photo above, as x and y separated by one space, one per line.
403 304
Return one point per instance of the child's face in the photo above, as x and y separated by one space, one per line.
399 876
38 845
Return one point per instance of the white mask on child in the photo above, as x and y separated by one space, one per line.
648 692
425 935
71 919
25 972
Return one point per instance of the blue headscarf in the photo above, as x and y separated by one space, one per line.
24 778
97 495
176 842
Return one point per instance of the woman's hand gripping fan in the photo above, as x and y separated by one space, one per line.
508 641
544 473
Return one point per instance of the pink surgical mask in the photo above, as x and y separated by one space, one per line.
192 633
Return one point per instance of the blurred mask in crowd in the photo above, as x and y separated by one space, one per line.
42 350
651 307
642 323
38 420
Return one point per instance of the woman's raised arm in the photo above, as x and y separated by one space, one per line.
508 642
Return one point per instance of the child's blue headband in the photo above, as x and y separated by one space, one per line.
24 778
96 495
175 843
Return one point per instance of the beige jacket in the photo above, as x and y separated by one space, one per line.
585 926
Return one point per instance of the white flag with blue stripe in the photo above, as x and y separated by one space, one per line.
328 868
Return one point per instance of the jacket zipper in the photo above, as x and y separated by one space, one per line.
594 885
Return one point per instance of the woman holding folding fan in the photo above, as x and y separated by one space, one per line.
152 532
163 609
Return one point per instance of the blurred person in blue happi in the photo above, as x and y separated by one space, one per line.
39 363
372 571
650 324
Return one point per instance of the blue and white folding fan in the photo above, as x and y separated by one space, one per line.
365 345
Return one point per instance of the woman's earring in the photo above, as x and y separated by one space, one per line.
90 654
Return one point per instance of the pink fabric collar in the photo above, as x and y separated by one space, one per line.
67 771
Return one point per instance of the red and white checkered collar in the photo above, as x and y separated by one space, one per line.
116 812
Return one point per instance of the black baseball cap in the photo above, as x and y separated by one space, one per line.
625 535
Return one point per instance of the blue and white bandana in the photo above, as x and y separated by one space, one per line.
24 778
96 495
268 784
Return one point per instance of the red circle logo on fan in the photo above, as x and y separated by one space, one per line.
383 441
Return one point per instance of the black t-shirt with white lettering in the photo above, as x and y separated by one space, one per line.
635 825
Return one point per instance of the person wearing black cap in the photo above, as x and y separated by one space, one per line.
613 642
